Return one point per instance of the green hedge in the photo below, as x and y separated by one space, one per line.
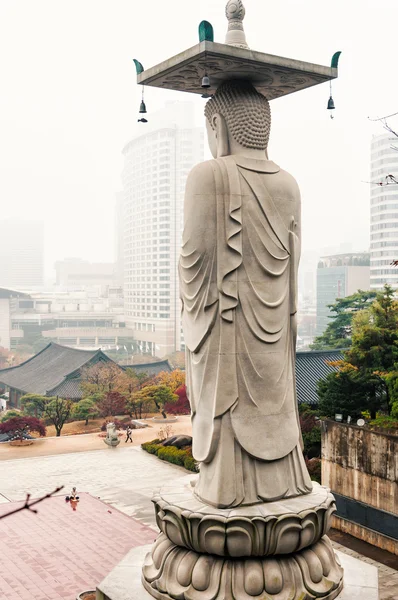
171 454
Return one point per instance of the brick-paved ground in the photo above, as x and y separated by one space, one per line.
57 553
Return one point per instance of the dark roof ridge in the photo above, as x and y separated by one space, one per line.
25 362
72 373
313 352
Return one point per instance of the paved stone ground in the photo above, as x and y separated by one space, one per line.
58 552
124 478
388 578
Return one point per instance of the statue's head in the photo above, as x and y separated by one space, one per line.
237 115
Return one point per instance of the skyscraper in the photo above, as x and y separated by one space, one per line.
157 162
383 211
338 276
21 254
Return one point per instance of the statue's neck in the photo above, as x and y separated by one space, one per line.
238 150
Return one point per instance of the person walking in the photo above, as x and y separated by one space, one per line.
128 435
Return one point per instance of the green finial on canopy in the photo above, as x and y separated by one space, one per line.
206 32
335 60
138 66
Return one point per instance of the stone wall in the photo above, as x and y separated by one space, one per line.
361 465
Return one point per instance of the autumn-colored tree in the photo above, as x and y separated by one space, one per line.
181 406
160 395
102 378
173 380
113 403
19 427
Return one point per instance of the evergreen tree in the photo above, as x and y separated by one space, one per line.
338 333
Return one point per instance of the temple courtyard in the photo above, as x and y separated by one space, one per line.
71 547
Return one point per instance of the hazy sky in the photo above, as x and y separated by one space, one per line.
69 101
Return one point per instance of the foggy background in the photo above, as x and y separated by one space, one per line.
69 103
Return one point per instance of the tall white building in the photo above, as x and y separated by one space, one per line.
157 162
383 212
21 254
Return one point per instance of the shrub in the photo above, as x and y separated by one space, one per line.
10 414
394 410
314 466
173 455
18 427
118 424
151 448
182 458
190 464
385 423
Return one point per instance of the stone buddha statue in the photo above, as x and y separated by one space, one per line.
238 280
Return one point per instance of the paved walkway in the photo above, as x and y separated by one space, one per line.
58 553
124 478
90 441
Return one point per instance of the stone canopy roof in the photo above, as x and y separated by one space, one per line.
310 368
48 372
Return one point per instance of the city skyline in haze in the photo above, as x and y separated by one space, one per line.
71 104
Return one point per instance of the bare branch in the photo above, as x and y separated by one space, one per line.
28 504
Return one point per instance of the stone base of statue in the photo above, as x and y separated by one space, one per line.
171 572
124 582
272 550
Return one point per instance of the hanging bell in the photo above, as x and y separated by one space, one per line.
206 82
331 105
142 107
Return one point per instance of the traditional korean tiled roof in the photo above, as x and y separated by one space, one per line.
47 370
153 368
310 368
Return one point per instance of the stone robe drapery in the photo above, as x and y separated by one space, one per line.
238 281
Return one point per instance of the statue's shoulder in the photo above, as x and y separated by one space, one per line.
289 183
202 177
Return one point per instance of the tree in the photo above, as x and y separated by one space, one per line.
102 378
369 369
84 409
159 394
10 414
173 380
57 410
181 406
20 426
342 392
113 403
338 333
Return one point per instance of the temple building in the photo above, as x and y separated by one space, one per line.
55 371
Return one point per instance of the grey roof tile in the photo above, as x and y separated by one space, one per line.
48 369
310 368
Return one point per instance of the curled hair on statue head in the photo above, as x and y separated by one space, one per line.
246 112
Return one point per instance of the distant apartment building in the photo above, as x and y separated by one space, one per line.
82 319
21 254
383 211
157 162
338 276
78 274
119 239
